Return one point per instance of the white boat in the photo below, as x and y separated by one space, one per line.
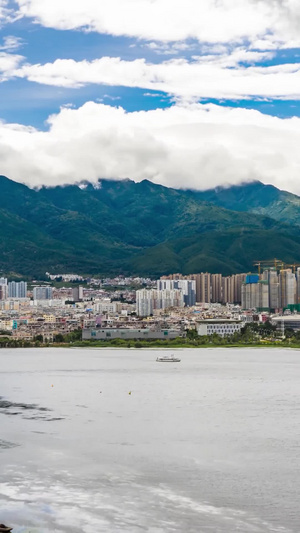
168 359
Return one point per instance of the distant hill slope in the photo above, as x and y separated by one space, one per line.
122 226
255 197
225 252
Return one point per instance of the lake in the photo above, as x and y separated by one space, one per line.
103 440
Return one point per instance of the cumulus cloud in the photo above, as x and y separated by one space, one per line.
174 20
231 76
185 146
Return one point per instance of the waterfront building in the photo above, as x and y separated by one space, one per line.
130 334
220 327
287 321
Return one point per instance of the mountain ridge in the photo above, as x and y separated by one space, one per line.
127 227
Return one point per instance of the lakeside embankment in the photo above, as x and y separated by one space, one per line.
12 343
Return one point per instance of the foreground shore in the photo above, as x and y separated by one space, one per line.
223 343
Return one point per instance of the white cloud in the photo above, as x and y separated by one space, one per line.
174 20
8 63
188 146
110 97
213 76
7 14
166 49
11 43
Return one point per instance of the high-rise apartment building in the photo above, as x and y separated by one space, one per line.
3 292
216 288
42 293
227 290
187 286
3 289
203 287
174 276
287 288
298 286
270 275
238 280
149 300
255 294
77 294
17 289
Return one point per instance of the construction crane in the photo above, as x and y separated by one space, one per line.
272 263
293 266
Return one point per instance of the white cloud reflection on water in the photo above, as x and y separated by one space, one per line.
192 449
116 505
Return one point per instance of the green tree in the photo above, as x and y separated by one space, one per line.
59 337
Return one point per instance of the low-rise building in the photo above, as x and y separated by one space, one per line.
287 322
127 333
220 327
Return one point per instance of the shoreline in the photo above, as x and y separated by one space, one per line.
152 346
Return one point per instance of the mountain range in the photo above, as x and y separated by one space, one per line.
145 229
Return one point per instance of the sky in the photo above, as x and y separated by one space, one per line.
185 93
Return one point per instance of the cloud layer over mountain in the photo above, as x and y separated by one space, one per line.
185 146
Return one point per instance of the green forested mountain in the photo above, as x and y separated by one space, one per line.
122 226
255 197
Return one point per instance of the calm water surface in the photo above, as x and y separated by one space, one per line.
211 444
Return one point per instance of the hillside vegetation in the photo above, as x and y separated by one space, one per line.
143 228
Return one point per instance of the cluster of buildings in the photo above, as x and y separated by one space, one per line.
214 288
272 290
177 290
169 293
12 289
140 308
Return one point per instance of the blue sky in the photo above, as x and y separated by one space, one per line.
218 72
